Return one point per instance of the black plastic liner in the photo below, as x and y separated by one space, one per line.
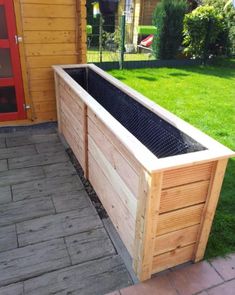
160 137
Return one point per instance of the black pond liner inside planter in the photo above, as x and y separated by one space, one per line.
108 6
159 136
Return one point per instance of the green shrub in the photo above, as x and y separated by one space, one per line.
201 29
225 7
168 19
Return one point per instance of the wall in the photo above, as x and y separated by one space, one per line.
147 9
53 32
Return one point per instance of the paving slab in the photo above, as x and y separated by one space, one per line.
27 262
74 200
19 140
37 160
15 176
55 226
91 278
5 194
59 169
8 238
25 210
14 152
89 245
14 289
47 187
2 142
49 147
3 165
227 288
194 278
225 266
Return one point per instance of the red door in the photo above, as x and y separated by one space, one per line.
11 86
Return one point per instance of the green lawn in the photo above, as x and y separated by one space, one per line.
204 97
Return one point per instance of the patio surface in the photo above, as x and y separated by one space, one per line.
51 239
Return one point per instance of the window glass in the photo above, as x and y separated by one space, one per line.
3 24
5 63
7 100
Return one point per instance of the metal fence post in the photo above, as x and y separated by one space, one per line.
122 43
101 37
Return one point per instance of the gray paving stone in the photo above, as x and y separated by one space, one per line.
18 140
11 177
71 201
56 226
49 147
37 160
5 194
2 142
30 261
14 152
3 165
89 245
92 278
24 210
60 169
47 187
14 289
8 239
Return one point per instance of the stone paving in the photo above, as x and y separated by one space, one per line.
216 277
51 239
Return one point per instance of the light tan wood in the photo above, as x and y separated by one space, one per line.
48 37
120 162
45 10
38 96
183 196
50 49
181 176
175 220
175 240
146 224
210 207
173 258
58 104
48 24
54 2
41 85
118 213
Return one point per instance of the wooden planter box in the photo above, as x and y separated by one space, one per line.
158 177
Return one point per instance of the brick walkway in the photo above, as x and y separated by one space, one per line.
51 239
204 278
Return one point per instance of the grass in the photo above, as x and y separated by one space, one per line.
204 97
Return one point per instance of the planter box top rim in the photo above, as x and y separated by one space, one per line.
214 150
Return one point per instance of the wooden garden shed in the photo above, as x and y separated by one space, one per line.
34 35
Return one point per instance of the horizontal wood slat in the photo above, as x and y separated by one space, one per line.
50 49
179 219
48 37
45 10
175 240
183 196
172 258
48 24
187 175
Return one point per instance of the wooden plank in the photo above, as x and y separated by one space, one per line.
55 2
92 245
175 240
47 187
27 262
5 194
183 196
24 210
48 37
67 92
38 160
14 289
46 116
57 226
210 208
173 258
118 213
124 194
48 24
187 175
146 224
8 239
13 152
179 219
100 276
41 85
19 175
44 10
47 61
115 141
114 156
43 96
41 74
50 49
45 106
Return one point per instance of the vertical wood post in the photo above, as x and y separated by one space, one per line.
210 208
81 34
146 223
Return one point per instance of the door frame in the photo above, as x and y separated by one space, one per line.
16 80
